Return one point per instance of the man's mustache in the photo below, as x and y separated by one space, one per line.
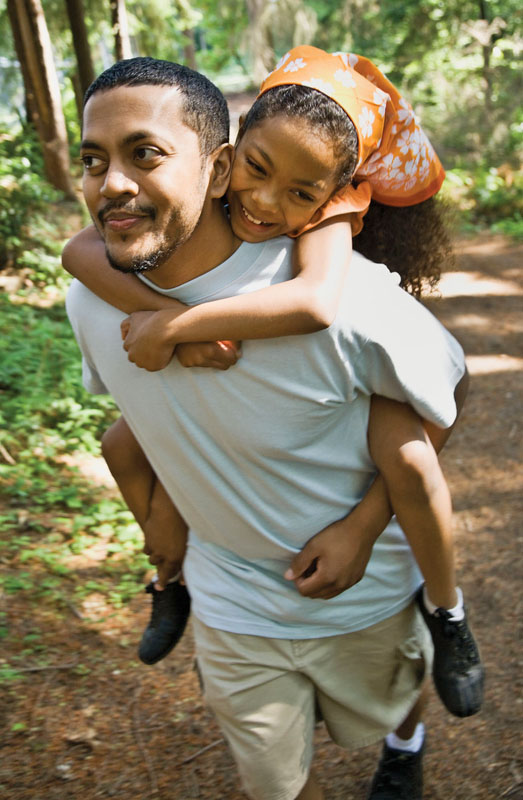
115 205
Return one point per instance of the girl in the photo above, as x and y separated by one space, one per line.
317 124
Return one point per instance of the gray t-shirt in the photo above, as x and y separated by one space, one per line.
263 456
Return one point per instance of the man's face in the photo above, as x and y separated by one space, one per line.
144 176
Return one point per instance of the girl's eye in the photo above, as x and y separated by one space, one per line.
91 162
146 154
255 166
304 196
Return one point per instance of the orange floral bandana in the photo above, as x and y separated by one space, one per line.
395 159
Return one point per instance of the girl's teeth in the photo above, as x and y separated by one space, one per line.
253 219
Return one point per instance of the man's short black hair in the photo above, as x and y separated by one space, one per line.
204 107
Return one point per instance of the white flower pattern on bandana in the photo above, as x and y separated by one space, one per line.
349 59
366 121
345 78
344 57
281 62
320 85
381 99
295 65
405 112
409 154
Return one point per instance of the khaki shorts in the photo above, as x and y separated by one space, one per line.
265 693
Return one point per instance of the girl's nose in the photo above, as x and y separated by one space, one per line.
265 198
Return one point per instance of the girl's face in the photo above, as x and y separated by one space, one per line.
282 173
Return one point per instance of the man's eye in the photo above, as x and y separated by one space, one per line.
91 162
146 154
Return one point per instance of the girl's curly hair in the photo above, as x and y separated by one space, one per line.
413 241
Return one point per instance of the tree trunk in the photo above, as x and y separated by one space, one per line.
30 109
122 43
34 52
262 55
189 51
76 14
486 47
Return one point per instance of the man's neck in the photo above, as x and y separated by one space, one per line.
212 243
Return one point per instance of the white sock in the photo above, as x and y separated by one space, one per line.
171 580
456 613
412 745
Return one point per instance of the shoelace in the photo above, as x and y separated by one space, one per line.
457 629
448 628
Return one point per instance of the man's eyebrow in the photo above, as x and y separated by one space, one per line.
89 145
137 136
300 181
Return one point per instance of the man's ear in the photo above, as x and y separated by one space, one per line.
221 160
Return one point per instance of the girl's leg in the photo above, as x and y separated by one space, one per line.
312 790
165 535
420 498
164 529
418 492
408 727
130 469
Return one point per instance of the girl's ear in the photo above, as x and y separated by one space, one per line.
221 161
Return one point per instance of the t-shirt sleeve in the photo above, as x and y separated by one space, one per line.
408 356
90 377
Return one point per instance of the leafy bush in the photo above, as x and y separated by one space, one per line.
496 198
51 513
44 410
489 197
25 196
40 379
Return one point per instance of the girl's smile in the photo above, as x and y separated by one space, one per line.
282 173
257 223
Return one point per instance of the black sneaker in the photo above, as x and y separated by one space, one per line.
399 775
457 670
170 612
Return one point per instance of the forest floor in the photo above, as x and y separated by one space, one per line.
96 723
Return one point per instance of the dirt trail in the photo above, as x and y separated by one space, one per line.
121 730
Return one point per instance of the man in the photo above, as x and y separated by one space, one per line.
261 458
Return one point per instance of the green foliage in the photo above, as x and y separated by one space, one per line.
488 197
24 196
219 35
494 197
512 226
158 26
44 409
43 565
57 516
18 727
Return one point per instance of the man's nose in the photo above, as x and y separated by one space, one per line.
118 182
